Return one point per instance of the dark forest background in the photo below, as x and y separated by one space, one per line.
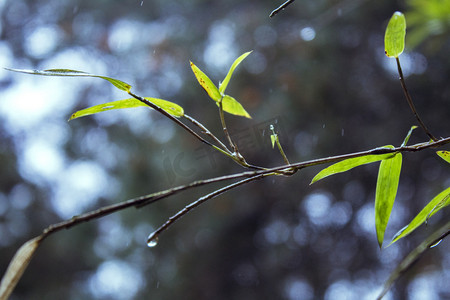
317 72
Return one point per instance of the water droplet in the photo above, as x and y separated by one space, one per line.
152 239
435 244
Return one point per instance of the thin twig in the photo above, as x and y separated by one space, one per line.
277 141
154 236
224 127
236 154
138 202
410 102
177 121
207 132
240 160
184 126
280 8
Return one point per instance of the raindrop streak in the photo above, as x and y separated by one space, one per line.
435 244
142 2
152 240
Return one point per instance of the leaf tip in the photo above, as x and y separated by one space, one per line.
380 244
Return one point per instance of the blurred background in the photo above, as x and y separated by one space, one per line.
318 73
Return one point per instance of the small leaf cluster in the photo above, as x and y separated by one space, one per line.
229 104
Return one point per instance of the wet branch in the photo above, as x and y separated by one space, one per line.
153 237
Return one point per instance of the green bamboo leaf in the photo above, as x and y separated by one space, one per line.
206 83
348 164
405 141
387 185
74 73
273 138
445 155
168 106
443 203
437 203
394 38
224 84
230 105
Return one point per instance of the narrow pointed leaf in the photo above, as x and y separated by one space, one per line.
387 185
273 138
394 38
18 265
74 73
443 203
445 155
348 164
413 256
206 83
225 82
168 106
405 141
437 203
230 105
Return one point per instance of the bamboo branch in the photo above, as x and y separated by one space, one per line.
154 197
224 127
410 102
153 237
207 132
177 121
